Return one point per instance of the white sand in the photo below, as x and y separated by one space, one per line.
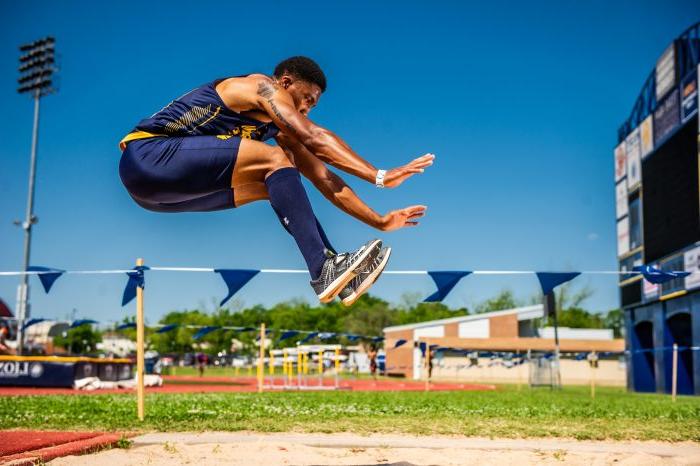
348 449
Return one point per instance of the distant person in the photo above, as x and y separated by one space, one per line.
201 363
4 333
204 151
430 365
372 355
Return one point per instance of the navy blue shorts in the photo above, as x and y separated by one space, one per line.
180 174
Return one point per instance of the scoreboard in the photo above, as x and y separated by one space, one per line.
671 198
657 178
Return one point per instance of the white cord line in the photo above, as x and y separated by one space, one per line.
76 272
282 271
182 269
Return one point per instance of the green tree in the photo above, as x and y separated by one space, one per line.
368 316
180 339
614 319
575 317
505 299
79 340
567 298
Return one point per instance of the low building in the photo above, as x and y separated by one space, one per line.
507 335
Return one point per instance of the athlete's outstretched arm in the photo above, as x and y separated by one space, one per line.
323 143
341 195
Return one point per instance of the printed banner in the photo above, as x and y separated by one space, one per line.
621 203
633 150
689 97
666 72
667 117
646 135
620 162
623 236
37 373
691 259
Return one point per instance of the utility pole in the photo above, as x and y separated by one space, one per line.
36 68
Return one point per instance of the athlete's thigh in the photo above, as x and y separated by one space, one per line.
176 169
218 200
255 161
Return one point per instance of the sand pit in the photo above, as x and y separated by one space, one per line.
349 449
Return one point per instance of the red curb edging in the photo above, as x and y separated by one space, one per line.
76 447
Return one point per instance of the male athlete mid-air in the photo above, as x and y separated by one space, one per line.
203 152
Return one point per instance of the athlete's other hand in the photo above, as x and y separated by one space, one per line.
396 176
402 218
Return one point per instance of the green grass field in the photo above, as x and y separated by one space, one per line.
614 414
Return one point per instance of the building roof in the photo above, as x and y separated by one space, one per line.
524 313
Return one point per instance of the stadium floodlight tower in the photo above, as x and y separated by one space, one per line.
36 68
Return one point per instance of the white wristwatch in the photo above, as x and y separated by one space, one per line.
379 180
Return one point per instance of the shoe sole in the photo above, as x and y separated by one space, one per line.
339 283
365 285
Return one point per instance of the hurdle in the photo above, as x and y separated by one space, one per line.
303 368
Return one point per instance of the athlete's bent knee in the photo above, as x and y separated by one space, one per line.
278 160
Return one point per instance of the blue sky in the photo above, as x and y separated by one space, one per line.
519 101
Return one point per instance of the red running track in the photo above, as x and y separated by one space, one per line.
31 447
194 384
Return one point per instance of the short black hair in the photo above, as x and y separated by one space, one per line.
303 68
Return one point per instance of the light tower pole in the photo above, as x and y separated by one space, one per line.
36 68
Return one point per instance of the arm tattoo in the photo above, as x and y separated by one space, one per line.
266 90
280 116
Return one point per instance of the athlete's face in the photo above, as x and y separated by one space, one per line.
305 95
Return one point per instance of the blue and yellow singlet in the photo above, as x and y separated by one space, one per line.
200 112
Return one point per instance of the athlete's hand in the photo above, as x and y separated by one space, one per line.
402 218
396 176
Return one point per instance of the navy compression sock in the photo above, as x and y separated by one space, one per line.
292 206
326 242
324 238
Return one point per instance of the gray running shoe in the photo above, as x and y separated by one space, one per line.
361 283
340 269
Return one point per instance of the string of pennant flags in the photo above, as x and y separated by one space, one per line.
203 330
445 281
508 359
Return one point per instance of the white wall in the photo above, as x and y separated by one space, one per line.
566 333
474 329
437 331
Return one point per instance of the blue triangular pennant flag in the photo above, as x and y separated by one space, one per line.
126 326
267 332
47 279
286 335
79 322
167 328
658 276
136 280
235 279
244 329
400 343
205 331
31 322
352 337
551 280
444 281
423 347
308 337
